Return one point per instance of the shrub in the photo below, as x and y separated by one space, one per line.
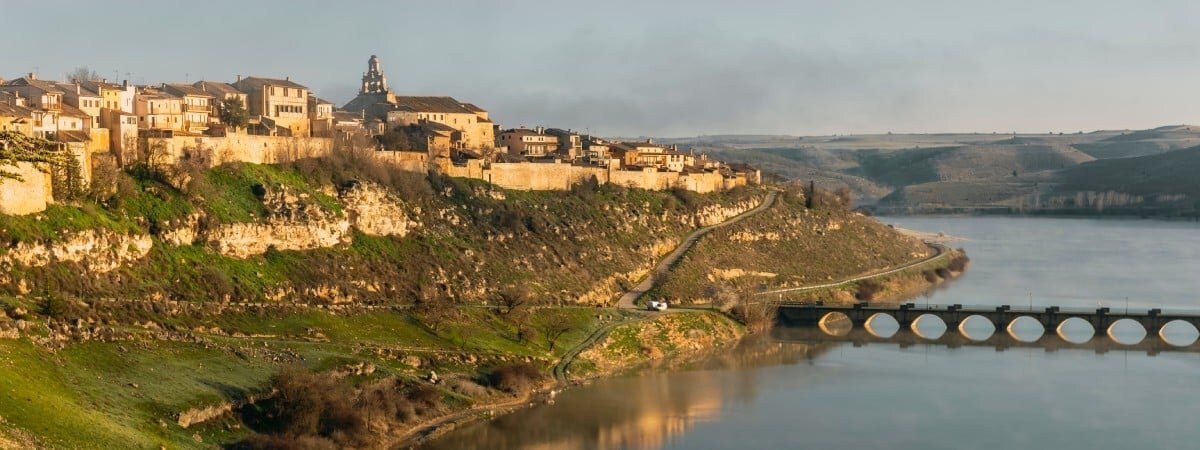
867 290
959 263
309 407
514 378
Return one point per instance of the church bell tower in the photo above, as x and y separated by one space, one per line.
374 82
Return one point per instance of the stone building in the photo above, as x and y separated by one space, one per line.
198 112
278 104
158 110
530 143
376 101
114 96
16 118
570 144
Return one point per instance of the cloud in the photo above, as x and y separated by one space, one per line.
693 80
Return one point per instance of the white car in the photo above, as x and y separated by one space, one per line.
656 305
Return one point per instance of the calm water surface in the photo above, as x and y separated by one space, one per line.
798 389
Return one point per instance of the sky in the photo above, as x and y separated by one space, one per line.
668 68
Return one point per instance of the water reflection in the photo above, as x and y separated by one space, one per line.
880 385
1117 340
648 411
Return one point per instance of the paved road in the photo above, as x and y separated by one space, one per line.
629 300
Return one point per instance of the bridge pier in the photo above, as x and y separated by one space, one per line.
1101 322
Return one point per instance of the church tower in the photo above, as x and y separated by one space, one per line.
373 82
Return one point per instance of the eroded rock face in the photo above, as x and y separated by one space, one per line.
375 211
243 240
98 250
712 215
296 224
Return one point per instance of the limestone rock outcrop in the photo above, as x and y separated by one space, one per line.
98 250
375 211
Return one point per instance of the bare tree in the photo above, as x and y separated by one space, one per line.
555 327
83 73
757 315
432 307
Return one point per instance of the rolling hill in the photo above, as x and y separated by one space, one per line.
1134 172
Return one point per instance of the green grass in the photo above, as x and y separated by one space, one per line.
57 222
114 395
229 197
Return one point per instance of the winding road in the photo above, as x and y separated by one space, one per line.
629 299
939 252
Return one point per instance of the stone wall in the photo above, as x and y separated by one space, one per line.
234 147
28 195
561 176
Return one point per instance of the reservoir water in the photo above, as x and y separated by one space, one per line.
799 389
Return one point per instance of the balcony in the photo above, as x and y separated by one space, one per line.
197 108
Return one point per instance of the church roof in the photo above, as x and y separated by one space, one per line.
432 105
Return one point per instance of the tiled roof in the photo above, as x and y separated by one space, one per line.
217 87
432 104
69 88
71 136
256 83
40 84
187 89
71 111
14 110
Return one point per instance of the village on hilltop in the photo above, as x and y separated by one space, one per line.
269 120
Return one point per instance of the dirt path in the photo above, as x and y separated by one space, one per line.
629 300
939 252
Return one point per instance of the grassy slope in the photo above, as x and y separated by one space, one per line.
127 393
794 246
110 395
567 243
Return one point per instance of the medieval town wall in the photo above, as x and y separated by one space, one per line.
561 176
234 147
28 195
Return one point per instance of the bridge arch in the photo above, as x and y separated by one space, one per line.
965 330
1179 333
1129 335
835 323
882 325
1015 326
1075 330
934 332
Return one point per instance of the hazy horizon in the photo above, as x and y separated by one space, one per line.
673 69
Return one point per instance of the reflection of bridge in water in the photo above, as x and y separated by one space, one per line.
853 323
906 337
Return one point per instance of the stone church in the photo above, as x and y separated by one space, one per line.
473 129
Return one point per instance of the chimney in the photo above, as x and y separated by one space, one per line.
125 83
239 77
32 76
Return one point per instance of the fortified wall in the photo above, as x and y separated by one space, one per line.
561 176
233 147
30 194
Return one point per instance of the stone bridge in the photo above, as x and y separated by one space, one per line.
1052 318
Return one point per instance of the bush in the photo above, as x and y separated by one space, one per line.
514 378
959 263
308 409
867 290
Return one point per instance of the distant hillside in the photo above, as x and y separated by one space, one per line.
1142 143
1166 181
